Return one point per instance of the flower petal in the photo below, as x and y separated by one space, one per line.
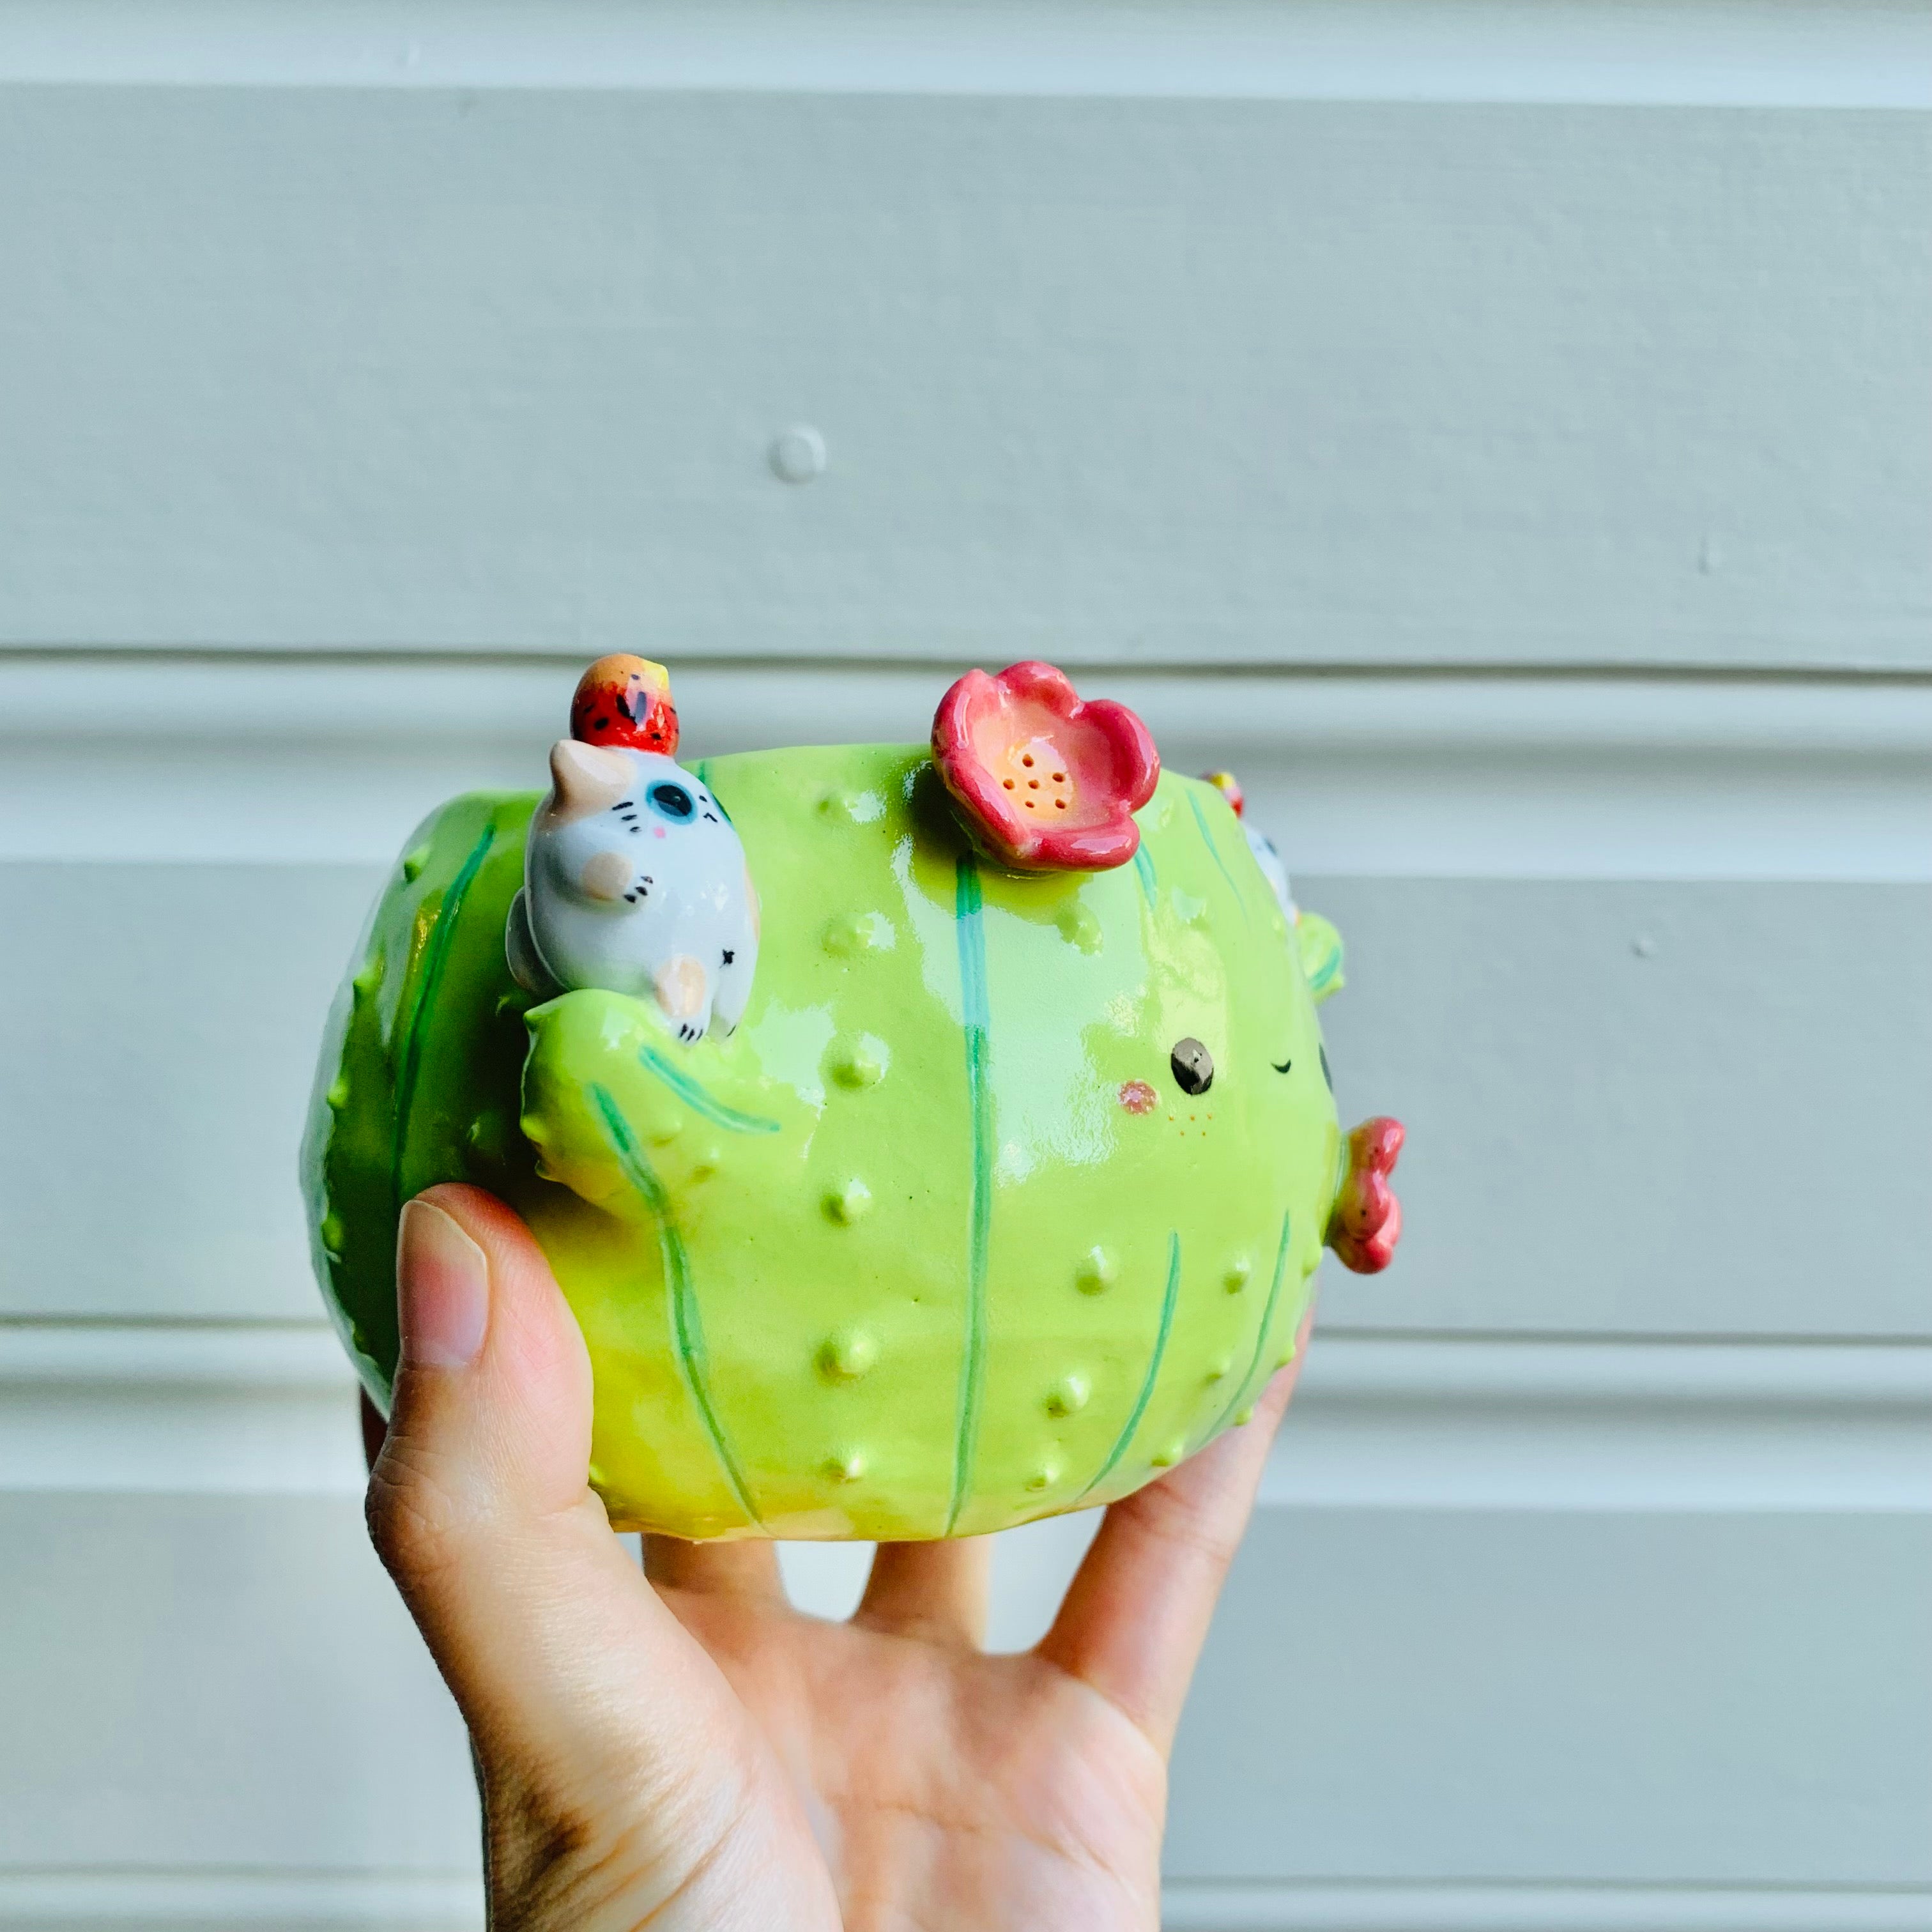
1045 781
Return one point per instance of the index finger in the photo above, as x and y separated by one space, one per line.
1136 1614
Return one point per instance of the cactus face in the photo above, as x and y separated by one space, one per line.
1006 1195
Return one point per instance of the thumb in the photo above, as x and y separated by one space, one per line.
480 1508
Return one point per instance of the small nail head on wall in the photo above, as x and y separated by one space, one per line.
798 454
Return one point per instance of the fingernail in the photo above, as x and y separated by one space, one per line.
443 1289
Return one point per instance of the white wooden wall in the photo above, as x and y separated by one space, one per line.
1502 433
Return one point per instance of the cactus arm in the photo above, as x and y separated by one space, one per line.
1320 946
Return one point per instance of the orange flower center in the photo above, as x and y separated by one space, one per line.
1035 772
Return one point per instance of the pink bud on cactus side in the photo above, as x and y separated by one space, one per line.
1366 1222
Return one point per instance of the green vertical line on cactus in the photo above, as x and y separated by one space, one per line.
1214 853
687 1330
1143 866
1146 1396
1261 1335
975 1020
435 957
700 1102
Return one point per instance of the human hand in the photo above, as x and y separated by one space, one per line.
678 1748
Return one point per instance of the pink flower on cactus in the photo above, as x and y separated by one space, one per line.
1046 782
1366 1222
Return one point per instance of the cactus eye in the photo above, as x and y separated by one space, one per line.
1193 1066
670 801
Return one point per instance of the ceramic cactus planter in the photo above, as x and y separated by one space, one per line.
1004 1192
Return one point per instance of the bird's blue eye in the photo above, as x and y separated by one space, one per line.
670 801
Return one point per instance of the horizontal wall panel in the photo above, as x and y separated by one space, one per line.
1640 1107
1848 53
1405 1423
1665 1107
1414 775
178 1409
1388 1696
219 1681
1146 380
165 1069
1668 1700
1380 1421
1513 1613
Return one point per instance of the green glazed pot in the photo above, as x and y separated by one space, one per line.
936 1241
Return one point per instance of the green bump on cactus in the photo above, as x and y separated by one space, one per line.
1068 1395
1095 1269
856 808
845 1357
1030 1316
862 1063
849 1202
848 933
